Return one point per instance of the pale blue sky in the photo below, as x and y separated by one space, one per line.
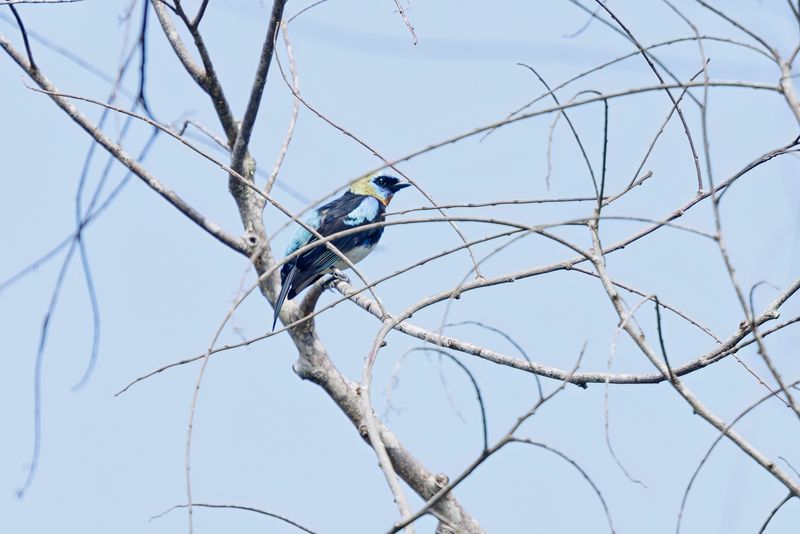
264 438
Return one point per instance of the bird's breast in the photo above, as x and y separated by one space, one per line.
356 254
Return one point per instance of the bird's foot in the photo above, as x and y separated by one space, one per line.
340 276
328 284
336 276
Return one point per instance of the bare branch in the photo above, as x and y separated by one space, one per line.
787 88
660 302
509 202
310 6
638 338
633 54
295 111
205 77
200 12
583 473
208 133
580 379
259 81
577 103
740 26
193 408
371 424
181 52
24 33
706 456
386 161
406 21
143 60
509 437
606 395
640 225
475 386
122 156
675 103
237 507
315 365
775 511
12 2
247 208
304 311
508 338
571 127
663 127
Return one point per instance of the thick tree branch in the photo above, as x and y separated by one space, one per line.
206 77
250 204
257 91
315 365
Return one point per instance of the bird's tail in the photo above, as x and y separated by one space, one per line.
287 283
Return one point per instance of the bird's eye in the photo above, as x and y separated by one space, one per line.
381 181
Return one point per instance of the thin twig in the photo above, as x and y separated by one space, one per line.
638 338
406 21
475 386
707 455
633 54
740 26
508 338
295 110
237 244
387 163
305 317
775 511
583 473
143 60
308 7
236 507
24 33
606 395
571 127
122 155
509 437
649 61
193 407
12 2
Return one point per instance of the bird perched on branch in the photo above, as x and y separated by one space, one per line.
363 203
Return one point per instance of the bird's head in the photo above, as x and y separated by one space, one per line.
380 186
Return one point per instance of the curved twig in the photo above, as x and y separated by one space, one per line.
237 507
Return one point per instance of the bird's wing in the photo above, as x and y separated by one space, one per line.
303 237
356 208
344 213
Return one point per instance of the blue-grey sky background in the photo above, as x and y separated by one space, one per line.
266 439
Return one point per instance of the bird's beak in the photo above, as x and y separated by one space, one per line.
397 187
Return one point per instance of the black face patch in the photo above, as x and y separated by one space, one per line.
386 181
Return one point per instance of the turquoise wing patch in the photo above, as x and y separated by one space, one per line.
303 236
365 213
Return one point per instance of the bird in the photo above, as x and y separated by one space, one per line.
363 203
